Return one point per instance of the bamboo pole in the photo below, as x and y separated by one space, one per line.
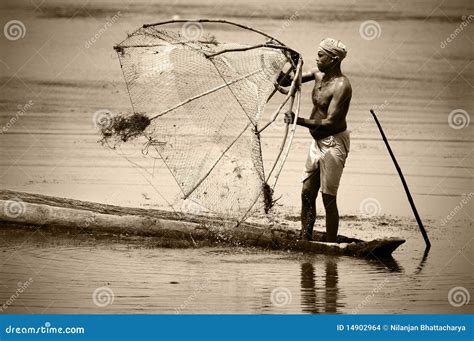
405 186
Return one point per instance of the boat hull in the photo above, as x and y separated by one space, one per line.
172 229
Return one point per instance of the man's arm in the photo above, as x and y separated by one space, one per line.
336 111
309 76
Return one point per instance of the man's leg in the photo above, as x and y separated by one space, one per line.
332 217
308 205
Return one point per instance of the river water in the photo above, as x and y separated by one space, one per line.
84 273
405 73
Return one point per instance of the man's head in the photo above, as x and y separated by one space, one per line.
330 53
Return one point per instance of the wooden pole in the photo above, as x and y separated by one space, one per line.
405 186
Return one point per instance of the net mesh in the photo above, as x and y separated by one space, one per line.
200 110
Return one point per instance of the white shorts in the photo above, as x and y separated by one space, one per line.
329 156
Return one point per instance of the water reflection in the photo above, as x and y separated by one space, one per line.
323 299
385 264
320 292
423 261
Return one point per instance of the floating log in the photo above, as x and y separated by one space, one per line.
169 228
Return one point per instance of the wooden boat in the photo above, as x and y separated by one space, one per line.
171 229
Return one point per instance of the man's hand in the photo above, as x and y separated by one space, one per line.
289 117
285 80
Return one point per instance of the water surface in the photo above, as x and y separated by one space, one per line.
65 270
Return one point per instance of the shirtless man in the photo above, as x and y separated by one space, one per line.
327 125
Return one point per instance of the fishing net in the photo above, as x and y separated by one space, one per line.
197 102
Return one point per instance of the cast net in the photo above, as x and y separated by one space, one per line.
197 102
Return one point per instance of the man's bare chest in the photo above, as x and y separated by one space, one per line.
322 95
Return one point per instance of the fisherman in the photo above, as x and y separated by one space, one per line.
327 125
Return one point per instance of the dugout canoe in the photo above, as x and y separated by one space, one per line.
170 229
